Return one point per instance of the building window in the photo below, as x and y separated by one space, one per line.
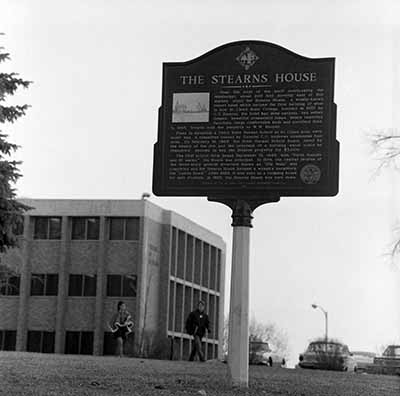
82 285
8 340
44 285
124 228
41 341
109 344
9 285
79 342
18 228
47 228
86 228
121 285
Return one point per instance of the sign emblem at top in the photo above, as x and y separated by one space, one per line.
247 58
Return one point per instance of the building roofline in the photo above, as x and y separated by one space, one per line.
119 207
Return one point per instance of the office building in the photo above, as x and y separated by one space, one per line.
78 258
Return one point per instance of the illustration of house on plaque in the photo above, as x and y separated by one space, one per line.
191 107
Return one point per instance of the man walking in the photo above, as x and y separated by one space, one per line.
197 324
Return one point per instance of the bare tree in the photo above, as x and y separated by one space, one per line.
276 338
385 148
385 145
261 332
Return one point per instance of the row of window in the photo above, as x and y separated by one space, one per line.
195 260
76 342
86 228
79 285
183 299
81 343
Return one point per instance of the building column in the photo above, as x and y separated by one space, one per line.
62 286
221 319
141 296
100 291
164 291
24 291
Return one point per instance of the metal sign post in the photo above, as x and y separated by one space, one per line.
238 346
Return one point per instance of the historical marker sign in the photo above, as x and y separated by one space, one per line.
247 118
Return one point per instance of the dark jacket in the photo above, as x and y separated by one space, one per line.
197 323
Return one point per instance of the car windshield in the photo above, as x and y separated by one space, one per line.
392 351
259 347
329 347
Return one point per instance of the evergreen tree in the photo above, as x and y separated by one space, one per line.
11 211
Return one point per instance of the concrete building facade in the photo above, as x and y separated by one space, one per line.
78 258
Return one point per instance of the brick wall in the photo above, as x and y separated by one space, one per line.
122 257
80 313
9 313
45 256
42 313
83 257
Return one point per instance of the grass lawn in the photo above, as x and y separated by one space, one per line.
50 375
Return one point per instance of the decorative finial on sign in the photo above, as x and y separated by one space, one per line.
247 58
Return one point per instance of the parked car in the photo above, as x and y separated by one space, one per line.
331 355
363 359
388 363
259 352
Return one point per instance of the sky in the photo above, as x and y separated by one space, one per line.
96 67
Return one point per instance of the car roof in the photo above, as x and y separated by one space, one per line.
329 342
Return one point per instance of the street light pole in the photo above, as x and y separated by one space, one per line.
326 320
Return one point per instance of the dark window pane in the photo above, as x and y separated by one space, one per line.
109 344
219 271
34 341
129 286
90 285
13 285
173 251
117 229
78 228
114 285
41 225
48 342
75 285
18 228
2 339
9 285
52 285
55 228
10 338
72 342
86 343
37 285
93 226
132 229
171 305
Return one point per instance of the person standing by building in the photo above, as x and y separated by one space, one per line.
121 325
197 324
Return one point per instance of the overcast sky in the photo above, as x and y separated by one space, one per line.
96 67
